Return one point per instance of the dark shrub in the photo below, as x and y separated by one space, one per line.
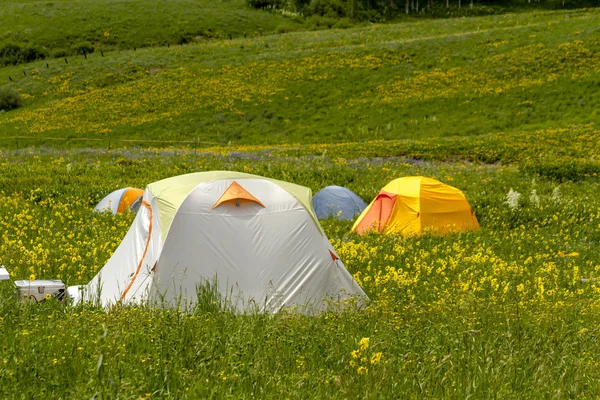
12 53
183 37
59 53
302 6
265 3
329 8
326 22
82 48
343 23
9 99
31 53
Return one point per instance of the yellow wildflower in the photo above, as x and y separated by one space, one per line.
364 343
376 358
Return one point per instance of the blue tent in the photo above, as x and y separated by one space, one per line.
337 201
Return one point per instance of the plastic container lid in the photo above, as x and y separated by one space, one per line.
38 283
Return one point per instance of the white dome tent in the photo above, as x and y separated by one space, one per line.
257 237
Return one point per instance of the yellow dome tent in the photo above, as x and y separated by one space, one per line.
413 204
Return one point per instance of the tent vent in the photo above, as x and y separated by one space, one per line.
236 194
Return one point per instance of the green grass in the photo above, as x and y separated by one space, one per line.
430 79
57 25
495 313
59 28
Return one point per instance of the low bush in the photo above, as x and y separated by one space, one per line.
563 171
9 99
321 22
265 3
282 29
343 23
58 53
82 48
31 53
329 8
9 52
12 53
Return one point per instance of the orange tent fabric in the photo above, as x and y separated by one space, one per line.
128 198
236 193
379 212
413 205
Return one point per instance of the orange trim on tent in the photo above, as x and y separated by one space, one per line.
333 256
235 192
378 214
139 267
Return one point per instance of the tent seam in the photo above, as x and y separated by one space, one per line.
139 267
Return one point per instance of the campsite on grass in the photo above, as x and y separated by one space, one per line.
297 199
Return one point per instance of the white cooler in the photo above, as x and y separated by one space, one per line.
38 289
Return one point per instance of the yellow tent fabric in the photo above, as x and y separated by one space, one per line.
415 204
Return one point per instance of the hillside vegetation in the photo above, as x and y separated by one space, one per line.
41 29
461 77
34 29
393 9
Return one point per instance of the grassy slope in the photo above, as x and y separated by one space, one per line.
59 24
425 79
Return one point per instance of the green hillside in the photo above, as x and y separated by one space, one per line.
61 27
36 29
464 77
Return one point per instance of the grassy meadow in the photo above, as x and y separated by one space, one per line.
34 29
508 310
61 27
463 77
490 105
